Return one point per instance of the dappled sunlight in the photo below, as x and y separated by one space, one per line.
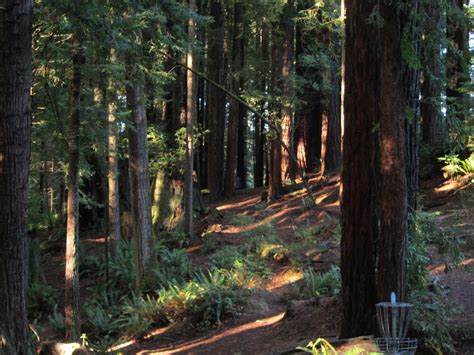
234 204
99 240
150 335
260 323
283 278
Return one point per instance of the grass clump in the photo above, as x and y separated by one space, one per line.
318 284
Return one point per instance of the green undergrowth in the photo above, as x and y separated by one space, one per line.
316 284
115 308
432 312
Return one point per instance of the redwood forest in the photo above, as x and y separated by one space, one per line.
236 177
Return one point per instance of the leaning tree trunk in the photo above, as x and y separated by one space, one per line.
113 203
15 131
139 180
71 289
216 101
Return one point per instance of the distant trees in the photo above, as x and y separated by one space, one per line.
15 134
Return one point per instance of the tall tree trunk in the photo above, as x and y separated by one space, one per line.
359 174
15 132
411 86
286 51
332 157
374 173
391 267
216 100
139 180
190 117
234 111
113 202
71 289
457 62
275 188
239 43
260 124
433 126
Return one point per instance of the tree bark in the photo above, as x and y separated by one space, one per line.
15 133
284 49
190 118
232 130
359 174
374 195
391 267
216 101
433 127
139 179
113 203
260 124
457 62
71 289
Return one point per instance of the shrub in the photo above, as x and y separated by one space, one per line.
41 298
431 309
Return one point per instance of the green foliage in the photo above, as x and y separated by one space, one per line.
41 299
319 347
56 319
317 284
454 166
431 309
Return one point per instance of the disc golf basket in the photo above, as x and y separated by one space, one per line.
393 318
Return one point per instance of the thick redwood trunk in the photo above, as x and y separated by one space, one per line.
374 196
391 267
71 289
216 101
359 175
15 131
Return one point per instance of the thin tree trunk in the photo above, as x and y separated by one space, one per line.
113 204
15 132
71 289
190 117
259 123
139 180
286 51
216 101
232 131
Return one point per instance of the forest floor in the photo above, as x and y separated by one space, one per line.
271 320
274 318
